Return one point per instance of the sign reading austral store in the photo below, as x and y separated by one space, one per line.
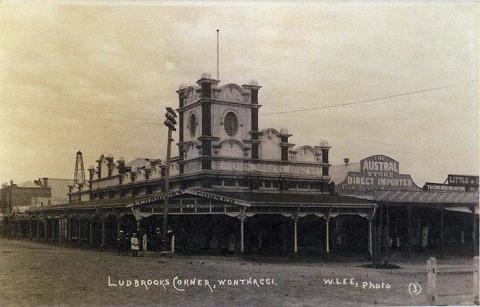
378 173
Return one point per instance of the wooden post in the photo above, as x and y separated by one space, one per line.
475 281
380 236
79 232
409 212
431 280
167 185
38 229
118 225
69 229
387 236
327 233
90 236
30 229
172 245
54 229
442 234
369 219
242 243
474 232
104 233
295 245
374 247
60 230
45 229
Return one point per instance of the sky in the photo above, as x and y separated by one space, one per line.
97 78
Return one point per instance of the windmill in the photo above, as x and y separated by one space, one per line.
79 176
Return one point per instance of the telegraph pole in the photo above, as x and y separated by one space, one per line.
170 122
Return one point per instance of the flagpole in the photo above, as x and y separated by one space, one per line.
218 56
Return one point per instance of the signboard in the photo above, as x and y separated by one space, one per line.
461 180
202 194
377 173
440 187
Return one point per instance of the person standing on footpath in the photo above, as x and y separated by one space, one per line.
169 244
127 243
121 243
158 240
144 244
134 245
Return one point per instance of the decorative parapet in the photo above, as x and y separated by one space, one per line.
259 166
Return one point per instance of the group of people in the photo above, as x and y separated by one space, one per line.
127 242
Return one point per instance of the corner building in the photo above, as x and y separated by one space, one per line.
233 187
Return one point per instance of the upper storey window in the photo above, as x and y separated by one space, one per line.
193 125
231 123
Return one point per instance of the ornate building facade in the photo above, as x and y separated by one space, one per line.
220 148
232 184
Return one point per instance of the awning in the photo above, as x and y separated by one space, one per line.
423 197
298 199
240 199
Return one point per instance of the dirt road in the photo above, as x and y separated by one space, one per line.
33 273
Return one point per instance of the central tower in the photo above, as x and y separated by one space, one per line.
219 121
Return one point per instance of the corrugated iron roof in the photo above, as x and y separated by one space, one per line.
296 199
426 197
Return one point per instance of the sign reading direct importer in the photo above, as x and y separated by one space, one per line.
378 172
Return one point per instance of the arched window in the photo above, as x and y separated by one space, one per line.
231 124
193 125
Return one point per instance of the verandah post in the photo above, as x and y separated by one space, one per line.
60 230
387 236
442 234
45 229
104 231
474 232
90 235
379 234
409 230
327 233
475 281
79 231
295 243
38 229
30 228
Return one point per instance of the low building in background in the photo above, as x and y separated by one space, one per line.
17 198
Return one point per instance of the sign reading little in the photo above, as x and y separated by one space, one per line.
378 173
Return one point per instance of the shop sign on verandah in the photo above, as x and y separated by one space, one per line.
378 173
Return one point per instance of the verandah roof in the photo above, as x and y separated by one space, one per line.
297 199
424 197
243 198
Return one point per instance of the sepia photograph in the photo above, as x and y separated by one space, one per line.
239 153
